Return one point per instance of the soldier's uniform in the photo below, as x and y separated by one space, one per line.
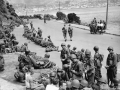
98 63
65 55
112 65
64 30
31 24
78 70
39 32
70 32
90 69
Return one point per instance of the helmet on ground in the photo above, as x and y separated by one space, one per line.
84 83
96 48
63 44
47 55
110 48
75 83
52 74
88 52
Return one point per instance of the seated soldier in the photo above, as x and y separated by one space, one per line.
73 51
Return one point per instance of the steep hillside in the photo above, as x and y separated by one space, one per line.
7 12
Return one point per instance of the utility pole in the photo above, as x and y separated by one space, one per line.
59 6
107 15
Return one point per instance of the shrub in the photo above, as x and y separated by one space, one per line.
72 18
60 16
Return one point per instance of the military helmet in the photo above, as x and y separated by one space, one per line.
110 48
47 55
96 48
82 49
65 66
59 70
84 83
63 44
73 56
74 48
68 45
25 44
52 74
68 84
88 52
75 83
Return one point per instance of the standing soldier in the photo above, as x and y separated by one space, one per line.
31 24
111 65
64 54
44 19
70 32
90 69
64 30
39 32
77 68
98 63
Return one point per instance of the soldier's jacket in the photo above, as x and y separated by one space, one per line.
90 66
64 54
70 29
97 60
64 29
111 60
79 68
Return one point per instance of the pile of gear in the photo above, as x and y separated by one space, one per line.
97 27
36 37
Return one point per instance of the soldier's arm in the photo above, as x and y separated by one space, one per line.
114 60
91 64
80 71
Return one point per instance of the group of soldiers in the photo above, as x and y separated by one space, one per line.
97 27
69 31
80 66
36 36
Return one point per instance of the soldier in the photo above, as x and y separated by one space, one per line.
52 76
44 19
73 51
68 46
24 47
84 85
62 76
64 54
39 32
77 68
111 65
98 63
64 30
70 32
90 69
75 84
31 24
2 63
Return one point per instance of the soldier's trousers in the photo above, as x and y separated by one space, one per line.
98 74
70 34
65 35
91 79
111 73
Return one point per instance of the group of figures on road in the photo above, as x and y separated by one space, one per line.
97 27
36 36
80 71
